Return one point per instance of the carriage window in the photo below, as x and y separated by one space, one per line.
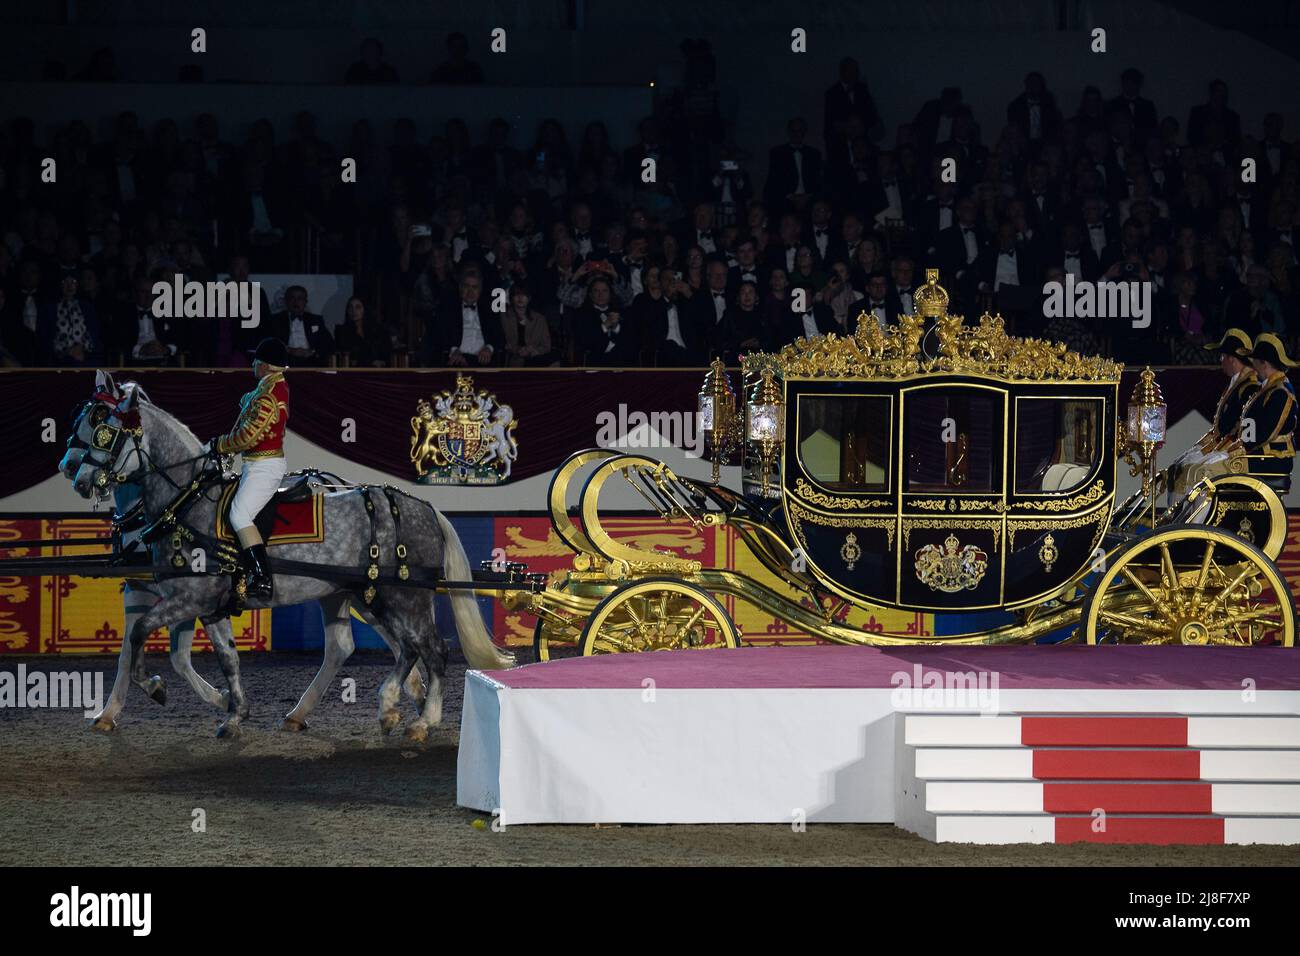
844 441
1057 443
953 438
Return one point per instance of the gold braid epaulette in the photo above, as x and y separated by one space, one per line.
258 412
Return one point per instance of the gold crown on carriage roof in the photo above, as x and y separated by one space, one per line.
896 351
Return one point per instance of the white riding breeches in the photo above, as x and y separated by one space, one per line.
257 483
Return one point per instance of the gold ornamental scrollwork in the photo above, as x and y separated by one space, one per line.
799 515
1015 525
895 352
997 505
932 504
813 496
951 524
1223 507
1093 494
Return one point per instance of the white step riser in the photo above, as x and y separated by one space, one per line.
990 829
1003 730
1005 764
1228 799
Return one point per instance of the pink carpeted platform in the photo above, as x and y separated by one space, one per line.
1033 667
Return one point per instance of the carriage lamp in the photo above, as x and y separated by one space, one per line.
765 425
1147 416
717 415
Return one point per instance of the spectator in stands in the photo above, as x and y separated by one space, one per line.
1109 191
1034 112
662 314
361 338
846 100
1212 122
794 170
305 333
457 69
68 329
1141 112
20 318
141 336
466 331
526 336
744 327
371 68
604 337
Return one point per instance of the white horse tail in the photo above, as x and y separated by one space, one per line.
475 639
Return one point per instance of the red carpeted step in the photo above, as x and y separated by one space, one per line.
1155 830
1117 765
1128 797
1103 731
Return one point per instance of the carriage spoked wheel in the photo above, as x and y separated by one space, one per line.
1190 584
658 614
550 644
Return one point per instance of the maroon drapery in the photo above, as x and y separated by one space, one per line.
556 408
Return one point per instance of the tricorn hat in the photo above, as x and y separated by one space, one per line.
1269 348
1234 342
272 352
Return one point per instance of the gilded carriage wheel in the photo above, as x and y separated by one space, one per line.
658 614
1190 584
548 646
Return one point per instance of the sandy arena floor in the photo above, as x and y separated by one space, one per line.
342 794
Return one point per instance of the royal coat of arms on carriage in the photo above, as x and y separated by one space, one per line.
463 437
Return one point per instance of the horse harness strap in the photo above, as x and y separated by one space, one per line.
370 594
399 549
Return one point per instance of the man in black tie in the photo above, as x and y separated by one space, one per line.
877 301
746 268
1096 231
1035 112
847 99
889 197
794 170
455 234
141 336
846 247
467 332
938 212
305 333
699 231
781 254
1042 206
605 335
819 235
903 271
709 305
581 230
959 245
1074 255
1141 112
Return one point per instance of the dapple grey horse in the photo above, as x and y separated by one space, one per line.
162 455
337 621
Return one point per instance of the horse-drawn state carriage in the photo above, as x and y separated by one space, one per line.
933 466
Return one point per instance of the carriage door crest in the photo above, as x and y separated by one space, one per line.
463 437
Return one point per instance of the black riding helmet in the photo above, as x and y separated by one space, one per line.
272 352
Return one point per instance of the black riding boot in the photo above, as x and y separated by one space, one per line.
259 573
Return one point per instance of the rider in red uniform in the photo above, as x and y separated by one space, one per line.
258 436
